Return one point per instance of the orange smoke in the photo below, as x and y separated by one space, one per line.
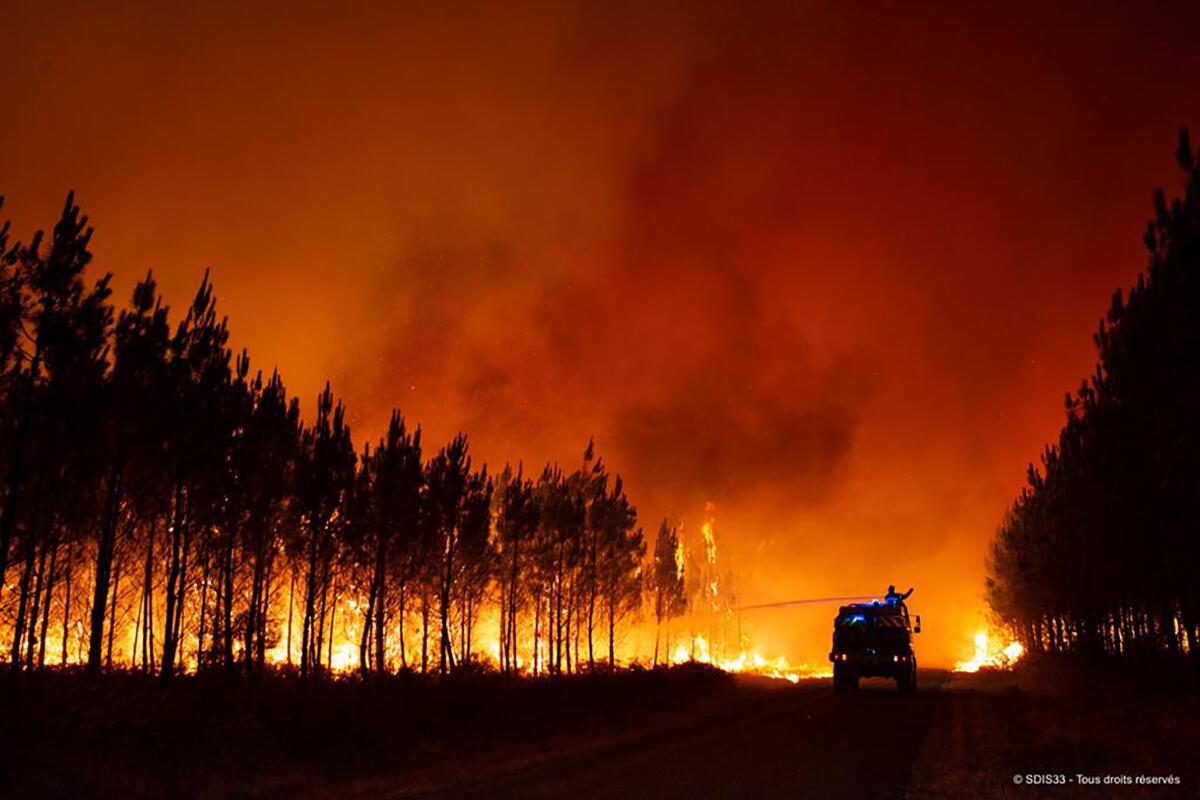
790 258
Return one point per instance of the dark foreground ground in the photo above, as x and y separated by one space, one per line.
686 733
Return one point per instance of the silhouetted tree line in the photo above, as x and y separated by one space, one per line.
157 490
1099 553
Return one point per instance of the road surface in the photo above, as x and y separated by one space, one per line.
801 741
688 733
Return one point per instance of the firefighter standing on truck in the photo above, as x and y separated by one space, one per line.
894 598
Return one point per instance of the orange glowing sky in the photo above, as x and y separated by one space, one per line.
830 265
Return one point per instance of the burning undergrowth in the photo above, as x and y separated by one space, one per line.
991 654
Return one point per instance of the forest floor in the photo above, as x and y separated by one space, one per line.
687 732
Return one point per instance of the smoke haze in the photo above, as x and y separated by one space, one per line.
830 267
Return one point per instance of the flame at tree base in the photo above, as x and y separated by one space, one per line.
986 658
697 651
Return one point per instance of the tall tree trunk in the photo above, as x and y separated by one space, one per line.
320 644
227 602
104 558
41 660
137 632
251 614
148 598
577 635
168 657
568 629
176 581
365 639
203 627
471 627
462 628
23 603
112 617
612 628
35 609
261 617
183 568
511 631
503 629
403 655
291 605
556 628
310 602
591 625
66 624
447 648
332 620
424 630
537 630
379 595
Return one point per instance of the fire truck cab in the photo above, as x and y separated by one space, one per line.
874 640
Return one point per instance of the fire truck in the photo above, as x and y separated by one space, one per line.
874 640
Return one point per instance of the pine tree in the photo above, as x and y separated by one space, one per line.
54 404
517 517
1095 554
670 594
394 487
622 550
197 444
326 472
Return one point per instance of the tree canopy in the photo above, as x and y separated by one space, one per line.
1097 555
162 498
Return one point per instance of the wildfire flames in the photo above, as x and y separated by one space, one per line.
716 607
987 658
752 662
697 561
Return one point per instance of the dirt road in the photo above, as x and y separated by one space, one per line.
959 736
689 732
801 741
